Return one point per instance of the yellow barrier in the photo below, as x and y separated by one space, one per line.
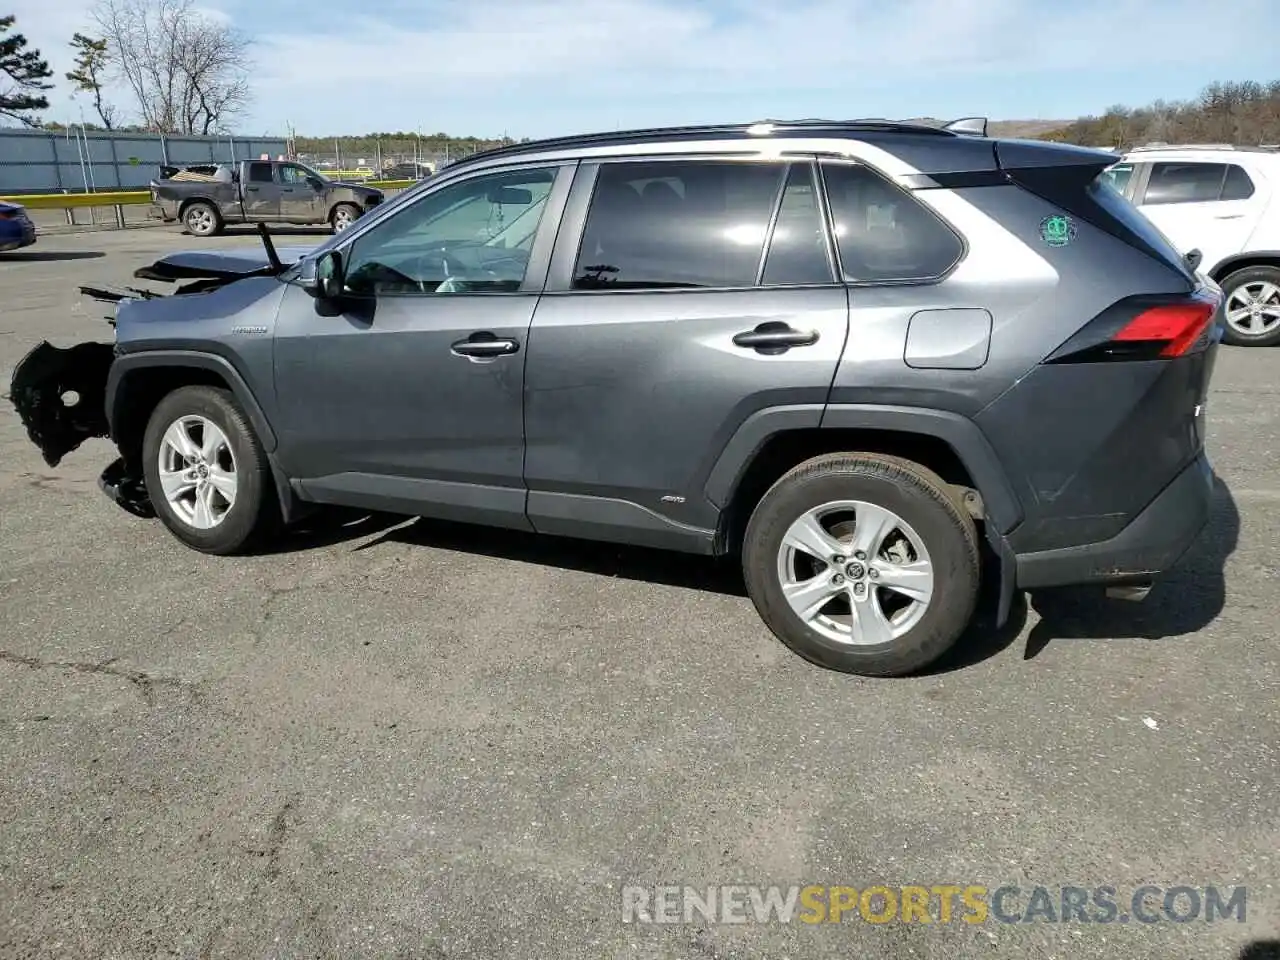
68 201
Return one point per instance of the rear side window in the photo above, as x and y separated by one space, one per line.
259 173
1184 183
883 233
1237 186
677 224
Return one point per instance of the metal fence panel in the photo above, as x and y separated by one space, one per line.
52 161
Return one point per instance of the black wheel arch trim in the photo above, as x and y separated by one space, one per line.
127 363
1243 261
291 505
1003 508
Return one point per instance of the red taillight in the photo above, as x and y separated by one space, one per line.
8 214
1178 326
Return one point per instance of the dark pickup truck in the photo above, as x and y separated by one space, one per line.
207 197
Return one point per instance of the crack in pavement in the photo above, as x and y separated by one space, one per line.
277 831
141 681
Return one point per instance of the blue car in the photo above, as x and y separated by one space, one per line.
16 228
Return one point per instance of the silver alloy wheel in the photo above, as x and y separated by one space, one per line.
198 472
200 220
1254 308
855 572
343 218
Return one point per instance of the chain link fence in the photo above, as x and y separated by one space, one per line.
391 158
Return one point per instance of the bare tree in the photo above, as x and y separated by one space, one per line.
93 59
188 72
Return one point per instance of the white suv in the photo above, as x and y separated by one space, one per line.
1225 202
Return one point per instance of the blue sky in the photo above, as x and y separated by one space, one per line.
545 67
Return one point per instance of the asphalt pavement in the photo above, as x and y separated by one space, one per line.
406 739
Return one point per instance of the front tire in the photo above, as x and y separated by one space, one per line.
1252 307
206 473
202 219
862 563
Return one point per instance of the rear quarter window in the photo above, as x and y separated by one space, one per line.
884 234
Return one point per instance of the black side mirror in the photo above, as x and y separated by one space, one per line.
1194 258
316 183
328 280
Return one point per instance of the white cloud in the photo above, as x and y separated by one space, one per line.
338 65
454 52
767 44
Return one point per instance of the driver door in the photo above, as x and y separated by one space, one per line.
408 397
300 201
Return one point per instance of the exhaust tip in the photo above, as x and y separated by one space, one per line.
1132 592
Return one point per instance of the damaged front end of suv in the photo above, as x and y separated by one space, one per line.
65 396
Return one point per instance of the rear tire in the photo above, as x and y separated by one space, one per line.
202 219
1253 294
216 493
894 524
343 216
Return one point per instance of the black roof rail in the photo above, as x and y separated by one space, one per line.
728 131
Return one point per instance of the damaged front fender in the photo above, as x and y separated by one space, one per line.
59 394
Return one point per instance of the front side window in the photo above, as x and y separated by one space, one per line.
291 175
1184 183
677 224
474 236
884 234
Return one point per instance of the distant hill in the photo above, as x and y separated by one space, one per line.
1011 128
1028 129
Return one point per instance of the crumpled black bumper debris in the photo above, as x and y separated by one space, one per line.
41 390
128 490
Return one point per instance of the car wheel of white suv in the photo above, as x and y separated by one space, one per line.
1252 307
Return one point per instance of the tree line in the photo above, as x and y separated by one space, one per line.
1244 114
187 72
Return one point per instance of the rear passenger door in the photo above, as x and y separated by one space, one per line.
684 295
1212 207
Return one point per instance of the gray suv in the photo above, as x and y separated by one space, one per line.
856 355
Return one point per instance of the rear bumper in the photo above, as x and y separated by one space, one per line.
1153 542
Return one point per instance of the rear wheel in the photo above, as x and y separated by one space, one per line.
343 216
206 473
1253 307
202 219
863 563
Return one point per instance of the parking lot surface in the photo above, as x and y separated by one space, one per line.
400 738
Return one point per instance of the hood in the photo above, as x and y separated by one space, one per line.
358 187
218 265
